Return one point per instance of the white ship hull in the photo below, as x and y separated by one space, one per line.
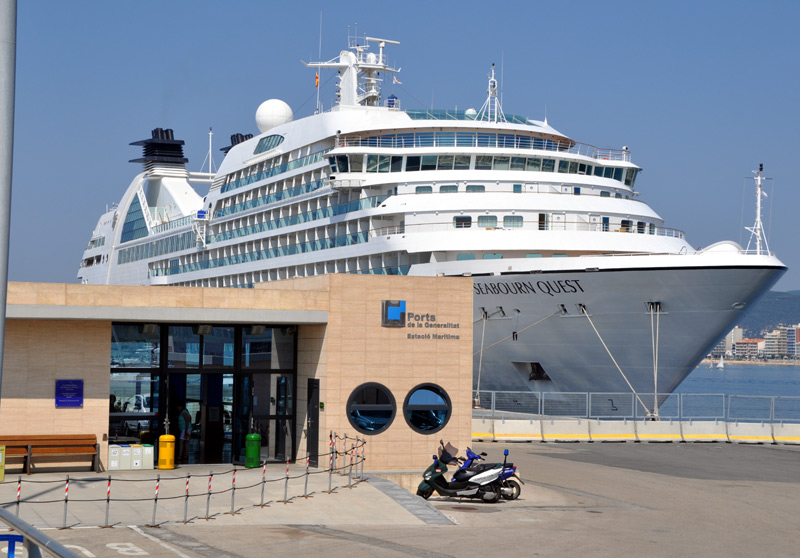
699 304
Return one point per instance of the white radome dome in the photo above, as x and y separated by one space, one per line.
271 113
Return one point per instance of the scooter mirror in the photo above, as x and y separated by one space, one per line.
505 452
484 454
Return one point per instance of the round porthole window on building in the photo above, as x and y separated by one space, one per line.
371 408
427 408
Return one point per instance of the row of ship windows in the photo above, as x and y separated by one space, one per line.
457 139
544 223
517 189
96 242
413 163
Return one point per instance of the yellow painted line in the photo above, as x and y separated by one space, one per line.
661 436
481 435
512 435
787 438
568 436
705 436
631 436
735 437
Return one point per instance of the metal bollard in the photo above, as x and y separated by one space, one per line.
233 491
363 448
19 491
286 485
333 448
330 467
344 453
66 502
186 501
305 488
263 482
208 498
108 499
350 470
155 501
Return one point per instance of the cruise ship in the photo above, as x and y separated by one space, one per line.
579 286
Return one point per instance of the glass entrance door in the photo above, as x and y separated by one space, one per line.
208 399
263 405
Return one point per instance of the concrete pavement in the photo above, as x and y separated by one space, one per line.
579 499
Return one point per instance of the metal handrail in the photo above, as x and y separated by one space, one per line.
35 540
673 406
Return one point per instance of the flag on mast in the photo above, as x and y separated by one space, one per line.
316 78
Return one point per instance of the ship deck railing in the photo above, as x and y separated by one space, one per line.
630 406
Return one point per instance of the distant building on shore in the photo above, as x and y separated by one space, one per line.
748 349
726 344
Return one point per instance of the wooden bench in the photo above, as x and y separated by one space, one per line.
48 445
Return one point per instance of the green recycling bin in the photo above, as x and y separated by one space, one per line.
252 451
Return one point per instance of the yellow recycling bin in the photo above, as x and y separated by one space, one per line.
166 451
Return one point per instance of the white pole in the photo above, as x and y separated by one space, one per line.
8 57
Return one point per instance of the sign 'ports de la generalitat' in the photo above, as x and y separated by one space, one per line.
394 314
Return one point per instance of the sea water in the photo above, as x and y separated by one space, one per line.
750 392
743 379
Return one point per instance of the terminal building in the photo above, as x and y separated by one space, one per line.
387 359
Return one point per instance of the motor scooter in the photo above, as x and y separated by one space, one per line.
506 480
482 483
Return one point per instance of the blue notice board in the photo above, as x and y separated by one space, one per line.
69 393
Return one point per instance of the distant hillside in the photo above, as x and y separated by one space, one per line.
774 309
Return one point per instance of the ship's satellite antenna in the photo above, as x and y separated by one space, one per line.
491 110
757 235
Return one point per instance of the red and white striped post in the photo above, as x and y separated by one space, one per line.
363 447
286 485
186 501
330 465
108 499
305 488
208 497
350 470
233 491
19 492
66 502
263 482
155 501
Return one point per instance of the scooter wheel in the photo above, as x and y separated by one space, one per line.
515 489
425 493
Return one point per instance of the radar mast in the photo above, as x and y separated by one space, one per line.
757 234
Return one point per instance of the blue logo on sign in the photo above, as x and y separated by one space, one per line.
394 313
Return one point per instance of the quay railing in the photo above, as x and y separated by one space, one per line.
674 406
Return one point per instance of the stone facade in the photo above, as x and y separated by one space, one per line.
59 331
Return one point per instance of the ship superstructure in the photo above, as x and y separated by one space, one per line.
572 271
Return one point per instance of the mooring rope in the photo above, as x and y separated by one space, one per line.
585 313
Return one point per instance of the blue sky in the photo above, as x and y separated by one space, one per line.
701 92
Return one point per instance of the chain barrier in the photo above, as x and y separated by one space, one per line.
341 459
